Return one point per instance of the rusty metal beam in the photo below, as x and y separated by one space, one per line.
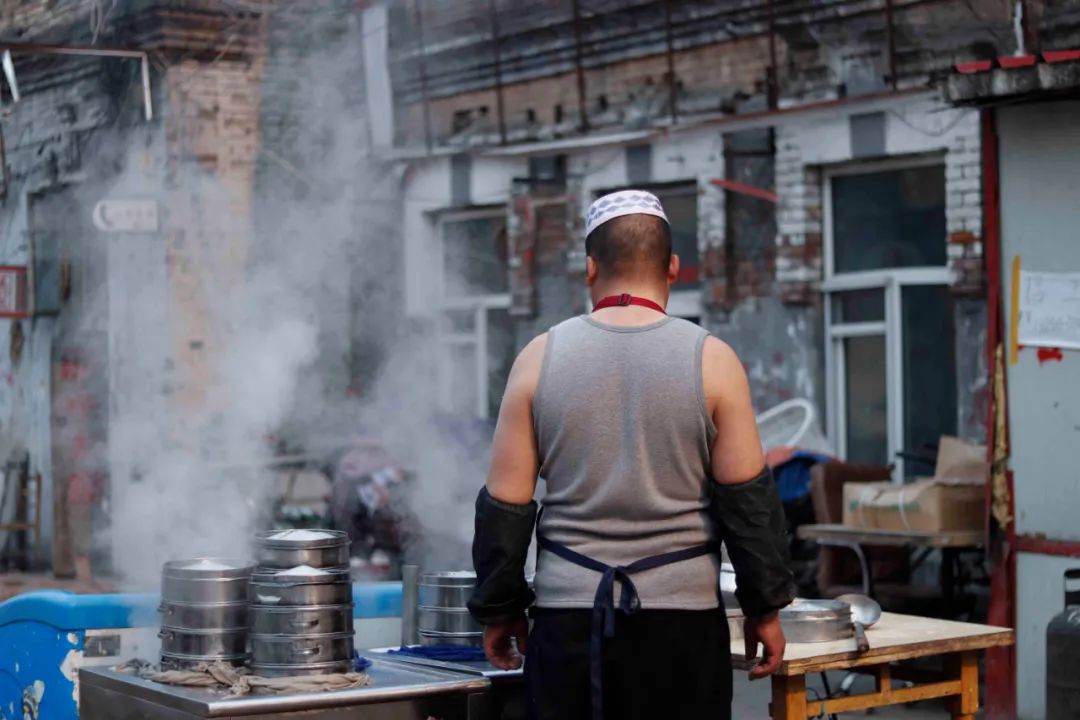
500 107
583 110
418 22
673 86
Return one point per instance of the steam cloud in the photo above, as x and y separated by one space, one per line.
283 319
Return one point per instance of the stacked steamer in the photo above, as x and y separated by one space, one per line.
301 603
203 612
442 615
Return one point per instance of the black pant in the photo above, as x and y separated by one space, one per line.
666 664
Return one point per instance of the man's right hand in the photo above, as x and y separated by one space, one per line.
766 630
498 648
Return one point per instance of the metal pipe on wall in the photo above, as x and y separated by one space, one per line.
410 599
418 20
673 85
583 109
500 108
890 35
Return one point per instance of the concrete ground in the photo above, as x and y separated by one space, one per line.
752 700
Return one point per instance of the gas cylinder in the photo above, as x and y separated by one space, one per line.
1063 655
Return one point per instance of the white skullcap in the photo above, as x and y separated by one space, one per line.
623 202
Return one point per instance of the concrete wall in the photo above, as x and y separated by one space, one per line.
1040 169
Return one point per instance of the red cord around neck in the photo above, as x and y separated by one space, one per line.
627 299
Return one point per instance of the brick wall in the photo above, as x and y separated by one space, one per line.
963 208
799 230
211 132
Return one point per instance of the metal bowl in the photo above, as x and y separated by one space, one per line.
206 644
319 619
301 649
204 616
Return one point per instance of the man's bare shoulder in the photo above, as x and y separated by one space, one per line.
525 375
718 357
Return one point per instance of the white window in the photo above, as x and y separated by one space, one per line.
475 331
889 353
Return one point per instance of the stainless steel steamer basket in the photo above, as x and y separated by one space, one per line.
327 668
205 580
331 587
301 649
204 616
331 551
447 620
432 637
188 662
317 619
446 589
205 644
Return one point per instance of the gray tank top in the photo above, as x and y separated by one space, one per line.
624 438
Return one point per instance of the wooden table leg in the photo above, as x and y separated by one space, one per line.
788 697
965 667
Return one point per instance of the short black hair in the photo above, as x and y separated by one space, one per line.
637 244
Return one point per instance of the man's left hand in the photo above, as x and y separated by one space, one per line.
498 646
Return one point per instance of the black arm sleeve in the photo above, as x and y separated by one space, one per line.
750 520
500 546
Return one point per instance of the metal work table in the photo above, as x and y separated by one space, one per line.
894 639
398 692
505 700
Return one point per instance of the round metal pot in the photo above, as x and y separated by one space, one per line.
446 589
331 587
330 668
431 637
301 649
277 550
189 662
804 621
203 643
317 620
204 616
205 580
446 620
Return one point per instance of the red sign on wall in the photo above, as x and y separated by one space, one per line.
13 291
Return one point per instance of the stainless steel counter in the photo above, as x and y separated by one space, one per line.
399 691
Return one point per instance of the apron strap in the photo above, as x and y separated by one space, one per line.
603 610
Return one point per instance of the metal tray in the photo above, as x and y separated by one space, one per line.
390 682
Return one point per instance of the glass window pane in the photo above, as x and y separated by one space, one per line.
865 408
894 218
474 257
858 306
501 346
929 370
459 321
461 375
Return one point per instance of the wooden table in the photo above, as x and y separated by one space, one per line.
894 639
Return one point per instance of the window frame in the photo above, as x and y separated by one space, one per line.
477 304
891 281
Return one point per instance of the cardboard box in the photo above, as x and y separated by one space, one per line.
926 505
953 499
